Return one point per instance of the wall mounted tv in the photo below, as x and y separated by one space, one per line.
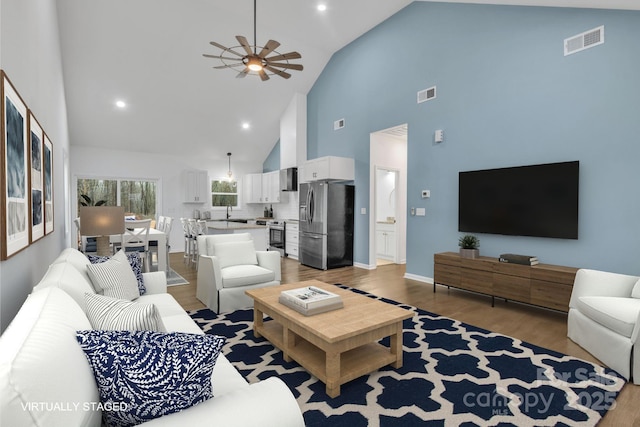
537 200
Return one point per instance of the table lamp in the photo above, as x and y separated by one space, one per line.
102 222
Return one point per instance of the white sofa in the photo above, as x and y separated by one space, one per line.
228 265
46 380
604 319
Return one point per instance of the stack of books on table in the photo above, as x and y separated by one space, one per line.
310 300
519 259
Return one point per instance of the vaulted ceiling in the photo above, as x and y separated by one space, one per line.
148 53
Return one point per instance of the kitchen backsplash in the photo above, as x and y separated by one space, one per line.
287 210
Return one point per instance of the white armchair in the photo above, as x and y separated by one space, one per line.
604 319
228 265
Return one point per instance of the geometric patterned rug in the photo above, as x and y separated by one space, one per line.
453 374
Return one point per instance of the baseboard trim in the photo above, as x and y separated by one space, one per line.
364 266
417 278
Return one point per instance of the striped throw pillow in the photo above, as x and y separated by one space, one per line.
111 314
115 277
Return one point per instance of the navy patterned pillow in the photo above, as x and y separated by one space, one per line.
144 375
134 261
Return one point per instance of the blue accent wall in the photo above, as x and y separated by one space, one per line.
506 96
272 162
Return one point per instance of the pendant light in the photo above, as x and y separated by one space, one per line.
229 173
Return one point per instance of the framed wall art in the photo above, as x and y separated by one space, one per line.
36 178
48 184
15 167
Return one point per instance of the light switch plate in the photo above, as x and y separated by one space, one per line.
421 211
363 211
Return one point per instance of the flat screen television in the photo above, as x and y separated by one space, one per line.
536 200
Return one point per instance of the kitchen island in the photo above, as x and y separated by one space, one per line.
259 233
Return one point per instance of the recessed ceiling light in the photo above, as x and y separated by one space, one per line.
322 7
121 104
246 125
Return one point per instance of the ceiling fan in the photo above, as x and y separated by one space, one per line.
256 61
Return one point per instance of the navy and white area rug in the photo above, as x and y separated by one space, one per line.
453 374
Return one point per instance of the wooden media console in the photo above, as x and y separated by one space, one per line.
543 285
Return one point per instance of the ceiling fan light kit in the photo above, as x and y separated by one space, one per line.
254 62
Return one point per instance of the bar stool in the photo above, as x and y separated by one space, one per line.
168 224
187 240
198 228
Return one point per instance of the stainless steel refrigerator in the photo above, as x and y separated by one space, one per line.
326 224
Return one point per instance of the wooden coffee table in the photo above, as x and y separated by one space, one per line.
337 346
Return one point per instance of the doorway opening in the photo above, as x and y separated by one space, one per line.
388 196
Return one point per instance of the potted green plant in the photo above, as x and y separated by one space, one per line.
469 246
86 201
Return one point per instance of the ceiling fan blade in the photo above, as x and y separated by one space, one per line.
289 66
278 72
268 48
220 67
245 44
263 75
226 49
242 74
221 57
285 56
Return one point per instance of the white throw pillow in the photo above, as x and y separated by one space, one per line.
236 253
115 277
40 361
635 293
111 314
63 275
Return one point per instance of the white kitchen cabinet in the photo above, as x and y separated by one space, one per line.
252 186
195 186
263 188
271 187
329 168
291 239
386 241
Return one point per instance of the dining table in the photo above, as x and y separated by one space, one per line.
154 236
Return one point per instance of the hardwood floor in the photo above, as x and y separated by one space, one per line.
541 327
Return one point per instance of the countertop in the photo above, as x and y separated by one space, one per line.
227 225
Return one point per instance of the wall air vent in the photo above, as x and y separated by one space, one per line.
338 124
426 94
584 41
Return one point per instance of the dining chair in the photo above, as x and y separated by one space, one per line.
153 244
86 244
136 239
160 223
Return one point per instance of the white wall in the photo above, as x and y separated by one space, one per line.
293 133
167 171
386 194
30 55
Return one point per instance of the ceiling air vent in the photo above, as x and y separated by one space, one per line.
426 94
584 41
338 124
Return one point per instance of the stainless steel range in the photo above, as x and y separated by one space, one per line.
276 236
